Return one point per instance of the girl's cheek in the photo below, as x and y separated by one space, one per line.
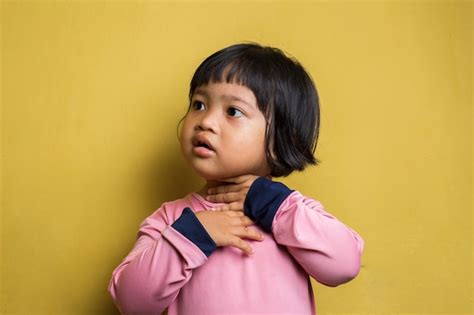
186 122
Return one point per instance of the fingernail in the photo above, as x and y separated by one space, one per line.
262 237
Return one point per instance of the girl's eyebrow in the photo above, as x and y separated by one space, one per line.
224 96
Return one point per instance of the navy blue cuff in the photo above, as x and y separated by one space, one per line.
190 226
263 200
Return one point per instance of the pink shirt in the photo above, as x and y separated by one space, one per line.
165 269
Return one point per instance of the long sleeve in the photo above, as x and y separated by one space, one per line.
160 264
327 250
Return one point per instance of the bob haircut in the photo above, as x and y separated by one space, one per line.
285 93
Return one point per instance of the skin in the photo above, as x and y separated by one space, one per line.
236 130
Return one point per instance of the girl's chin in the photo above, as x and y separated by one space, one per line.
214 175
208 175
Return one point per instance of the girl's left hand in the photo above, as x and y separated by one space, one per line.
232 194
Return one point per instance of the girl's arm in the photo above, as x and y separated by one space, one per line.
160 263
328 250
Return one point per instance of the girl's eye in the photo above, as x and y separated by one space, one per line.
233 111
196 105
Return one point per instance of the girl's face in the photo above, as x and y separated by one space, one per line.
226 116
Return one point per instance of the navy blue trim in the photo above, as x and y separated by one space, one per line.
263 200
190 226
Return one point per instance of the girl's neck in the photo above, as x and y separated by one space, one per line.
214 183
210 184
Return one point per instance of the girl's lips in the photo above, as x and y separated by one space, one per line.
201 140
203 151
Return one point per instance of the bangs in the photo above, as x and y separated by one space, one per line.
214 72
241 64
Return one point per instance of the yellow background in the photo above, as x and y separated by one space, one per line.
92 93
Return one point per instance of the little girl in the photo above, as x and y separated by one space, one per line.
243 244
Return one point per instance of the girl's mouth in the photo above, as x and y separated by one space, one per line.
203 151
202 146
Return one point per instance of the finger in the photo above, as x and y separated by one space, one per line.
243 245
234 206
234 213
224 197
219 208
223 189
251 234
237 206
246 221
239 220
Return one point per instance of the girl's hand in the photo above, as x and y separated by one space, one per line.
233 194
227 228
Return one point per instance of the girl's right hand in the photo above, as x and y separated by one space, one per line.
227 228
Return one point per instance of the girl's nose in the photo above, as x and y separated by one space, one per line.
208 121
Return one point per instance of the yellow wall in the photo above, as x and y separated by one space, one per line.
92 93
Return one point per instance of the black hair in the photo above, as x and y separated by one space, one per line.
285 93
